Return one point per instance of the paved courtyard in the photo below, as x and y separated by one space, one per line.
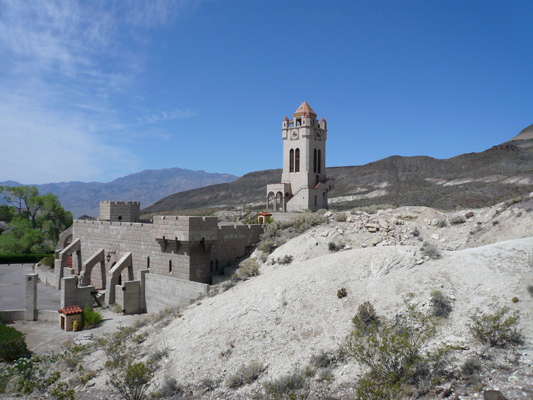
13 289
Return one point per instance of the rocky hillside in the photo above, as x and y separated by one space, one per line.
468 180
147 187
290 323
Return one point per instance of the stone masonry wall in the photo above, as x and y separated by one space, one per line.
180 247
120 211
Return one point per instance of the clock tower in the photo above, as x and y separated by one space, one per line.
304 185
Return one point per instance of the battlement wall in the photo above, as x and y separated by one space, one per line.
120 211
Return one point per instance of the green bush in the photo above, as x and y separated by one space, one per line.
430 250
441 306
289 386
395 356
22 258
496 330
131 382
90 318
341 217
366 319
245 375
457 220
48 261
342 293
248 268
13 343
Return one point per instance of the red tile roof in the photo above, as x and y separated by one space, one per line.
304 109
70 310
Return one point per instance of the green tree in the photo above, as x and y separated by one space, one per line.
38 221
6 213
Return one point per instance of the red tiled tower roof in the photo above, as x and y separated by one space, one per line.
304 109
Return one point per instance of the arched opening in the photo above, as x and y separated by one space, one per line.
314 161
147 262
120 279
291 160
297 160
169 266
120 218
270 199
279 201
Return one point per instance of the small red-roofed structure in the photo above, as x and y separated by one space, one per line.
262 217
68 315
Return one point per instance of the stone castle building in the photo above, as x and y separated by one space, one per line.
178 256
149 265
304 184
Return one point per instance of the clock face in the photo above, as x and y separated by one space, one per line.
317 135
294 134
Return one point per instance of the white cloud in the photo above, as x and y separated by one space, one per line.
66 69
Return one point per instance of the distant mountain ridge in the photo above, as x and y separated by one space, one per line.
468 180
147 187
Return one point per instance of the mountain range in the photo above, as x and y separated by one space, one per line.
147 187
468 180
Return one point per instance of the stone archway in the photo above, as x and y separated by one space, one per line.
280 202
97 257
271 199
113 276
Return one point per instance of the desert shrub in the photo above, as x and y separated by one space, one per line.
248 268
395 355
457 220
245 375
227 285
366 319
48 261
332 246
325 359
341 217
496 329
441 306
90 318
278 232
13 343
441 223
469 214
131 381
289 385
321 211
430 250
169 388
415 232
471 366
157 355
33 374
62 392
73 356
342 293
87 376
287 259
515 299
267 245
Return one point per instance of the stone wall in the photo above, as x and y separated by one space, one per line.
46 275
120 211
163 292
186 248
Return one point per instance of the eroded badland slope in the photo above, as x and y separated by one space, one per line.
291 311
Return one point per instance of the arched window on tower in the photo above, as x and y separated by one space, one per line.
297 160
314 162
291 160
319 161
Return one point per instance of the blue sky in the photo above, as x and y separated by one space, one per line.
95 90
